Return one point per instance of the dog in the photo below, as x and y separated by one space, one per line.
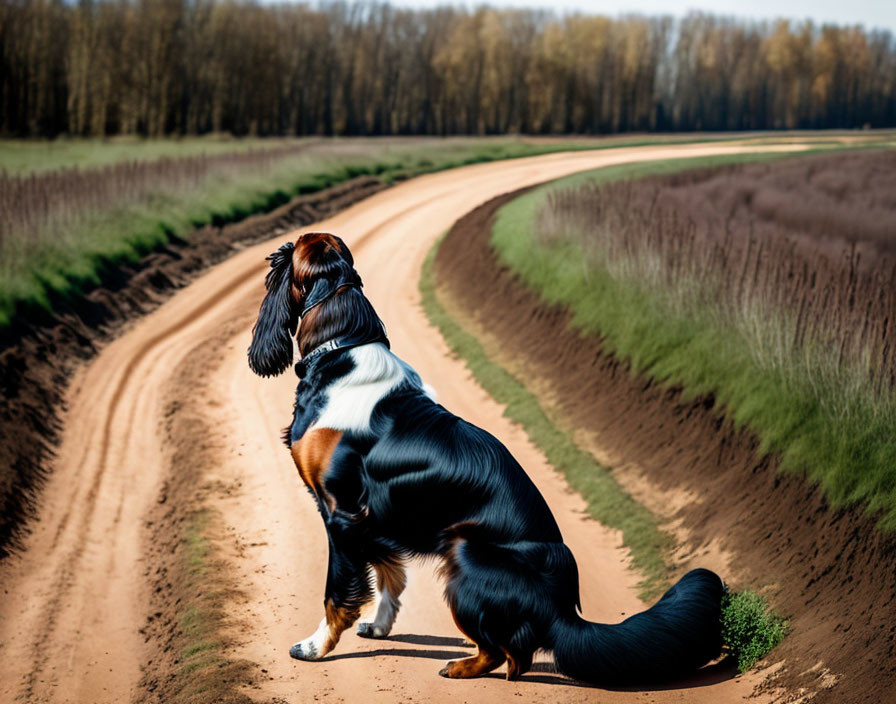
395 476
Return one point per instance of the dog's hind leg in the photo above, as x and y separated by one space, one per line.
500 599
484 661
518 664
391 580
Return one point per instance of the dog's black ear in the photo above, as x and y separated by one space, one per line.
271 351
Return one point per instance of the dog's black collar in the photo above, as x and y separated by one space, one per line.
328 346
304 363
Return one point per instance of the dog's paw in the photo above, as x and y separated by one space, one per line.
306 650
367 629
315 646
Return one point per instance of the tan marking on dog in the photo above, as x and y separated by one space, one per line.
474 666
312 454
338 619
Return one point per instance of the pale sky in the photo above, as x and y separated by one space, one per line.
870 14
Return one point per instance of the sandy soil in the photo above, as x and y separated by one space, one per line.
74 601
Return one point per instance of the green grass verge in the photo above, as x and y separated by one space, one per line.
608 502
852 456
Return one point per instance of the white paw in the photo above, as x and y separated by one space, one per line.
372 630
315 646
305 650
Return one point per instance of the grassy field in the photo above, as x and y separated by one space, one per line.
63 227
27 156
19 157
684 307
72 209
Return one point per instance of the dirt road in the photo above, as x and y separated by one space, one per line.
72 604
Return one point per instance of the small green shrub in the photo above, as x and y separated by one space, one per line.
750 628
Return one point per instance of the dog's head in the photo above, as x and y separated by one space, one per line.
312 289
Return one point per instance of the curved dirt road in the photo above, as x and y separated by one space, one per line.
72 604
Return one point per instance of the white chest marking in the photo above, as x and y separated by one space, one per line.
351 399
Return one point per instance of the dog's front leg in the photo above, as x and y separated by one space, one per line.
348 589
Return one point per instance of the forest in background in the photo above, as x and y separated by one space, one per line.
162 67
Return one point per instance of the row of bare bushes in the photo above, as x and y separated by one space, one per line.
30 203
800 257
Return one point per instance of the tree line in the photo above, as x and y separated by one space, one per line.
157 67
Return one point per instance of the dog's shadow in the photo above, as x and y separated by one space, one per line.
546 673
541 672
413 639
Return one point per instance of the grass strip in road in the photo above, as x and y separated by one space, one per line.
607 501
204 672
191 592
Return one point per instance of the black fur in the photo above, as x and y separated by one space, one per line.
423 482
271 350
675 636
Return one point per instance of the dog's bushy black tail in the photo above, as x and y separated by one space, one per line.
674 637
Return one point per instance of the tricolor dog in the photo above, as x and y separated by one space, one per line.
395 475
